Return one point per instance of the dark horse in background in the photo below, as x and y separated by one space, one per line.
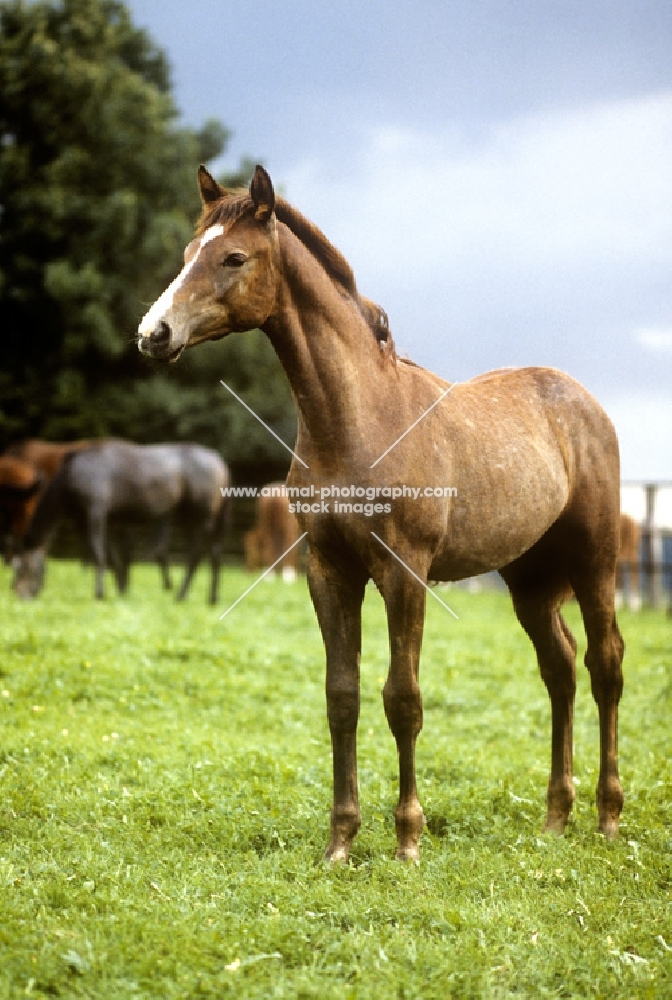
26 469
533 456
117 483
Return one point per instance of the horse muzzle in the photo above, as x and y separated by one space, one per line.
160 343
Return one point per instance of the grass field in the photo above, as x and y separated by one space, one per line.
166 784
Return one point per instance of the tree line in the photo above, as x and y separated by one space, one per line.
97 202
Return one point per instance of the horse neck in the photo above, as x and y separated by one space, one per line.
47 514
327 349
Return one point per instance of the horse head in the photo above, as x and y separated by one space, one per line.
29 571
229 279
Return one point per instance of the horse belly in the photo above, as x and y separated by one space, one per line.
485 533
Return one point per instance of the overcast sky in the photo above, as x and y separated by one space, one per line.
497 172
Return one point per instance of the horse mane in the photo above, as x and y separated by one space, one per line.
235 204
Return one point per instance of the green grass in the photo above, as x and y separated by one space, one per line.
166 783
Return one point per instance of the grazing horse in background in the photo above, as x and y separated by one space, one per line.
44 458
533 456
627 570
130 482
276 530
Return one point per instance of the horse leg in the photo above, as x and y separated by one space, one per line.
98 545
119 561
635 601
192 562
215 566
217 536
159 552
162 560
337 597
604 658
405 604
195 540
214 544
555 646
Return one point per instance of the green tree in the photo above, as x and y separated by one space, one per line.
97 201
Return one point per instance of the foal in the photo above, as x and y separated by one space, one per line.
533 456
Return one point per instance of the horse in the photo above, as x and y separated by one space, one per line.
531 455
276 530
627 569
27 467
128 482
30 465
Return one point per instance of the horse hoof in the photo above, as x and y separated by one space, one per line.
609 827
555 825
336 857
408 854
609 806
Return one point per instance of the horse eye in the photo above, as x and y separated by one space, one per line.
235 260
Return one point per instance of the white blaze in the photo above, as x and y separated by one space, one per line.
165 300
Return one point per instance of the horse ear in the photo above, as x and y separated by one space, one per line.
208 186
263 195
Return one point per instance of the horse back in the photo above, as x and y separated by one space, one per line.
46 456
539 425
117 476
